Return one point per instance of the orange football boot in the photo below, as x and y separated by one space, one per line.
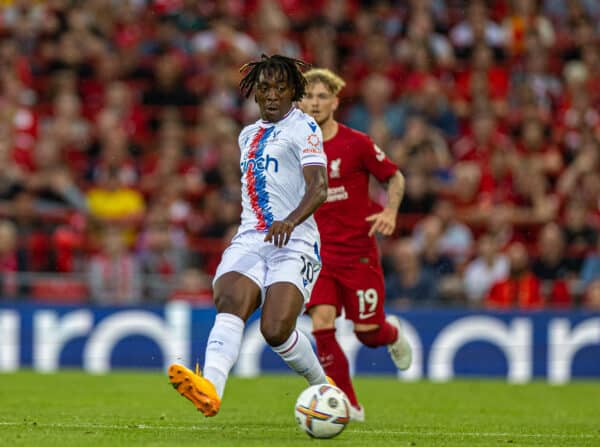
191 385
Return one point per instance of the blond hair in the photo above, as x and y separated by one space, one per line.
327 77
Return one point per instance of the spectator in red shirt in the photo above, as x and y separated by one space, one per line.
535 147
194 287
114 274
521 289
483 78
482 140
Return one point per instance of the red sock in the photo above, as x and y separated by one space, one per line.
334 362
384 335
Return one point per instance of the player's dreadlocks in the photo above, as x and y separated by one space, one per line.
287 68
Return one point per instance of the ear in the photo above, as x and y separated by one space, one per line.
336 103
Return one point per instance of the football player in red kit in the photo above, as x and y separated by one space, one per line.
351 276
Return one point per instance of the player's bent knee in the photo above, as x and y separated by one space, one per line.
369 338
225 302
276 332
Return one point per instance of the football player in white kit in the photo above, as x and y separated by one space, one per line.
274 258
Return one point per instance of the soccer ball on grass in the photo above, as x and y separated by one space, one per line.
322 411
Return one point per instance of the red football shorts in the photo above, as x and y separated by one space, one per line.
357 287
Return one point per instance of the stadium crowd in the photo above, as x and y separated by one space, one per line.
119 165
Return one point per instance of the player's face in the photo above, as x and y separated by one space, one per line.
274 96
319 102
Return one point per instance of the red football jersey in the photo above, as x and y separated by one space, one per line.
351 158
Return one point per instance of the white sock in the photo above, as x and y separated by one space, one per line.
298 353
223 349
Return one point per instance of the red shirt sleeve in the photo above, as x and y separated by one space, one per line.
376 162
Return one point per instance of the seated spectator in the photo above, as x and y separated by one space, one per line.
113 202
577 117
376 104
167 88
409 284
554 267
167 164
194 287
482 79
421 28
521 289
487 269
418 198
9 260
432 103
114 151
524 19
162 256
536 84
119 100
551 262
536 149
477 27
70 130
114 274
498 224
579 234
34 240
464 190
51 182
483 138
533 202
421 148
456 239
432 258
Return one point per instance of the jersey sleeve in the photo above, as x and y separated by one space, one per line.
376 162
309 140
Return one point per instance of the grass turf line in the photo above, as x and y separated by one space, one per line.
138 408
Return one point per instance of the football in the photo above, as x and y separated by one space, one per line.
322 411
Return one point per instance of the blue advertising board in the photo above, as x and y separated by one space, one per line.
520 346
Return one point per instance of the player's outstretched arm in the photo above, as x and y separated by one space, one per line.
385 221
315 177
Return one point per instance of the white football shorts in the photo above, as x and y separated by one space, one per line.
298 262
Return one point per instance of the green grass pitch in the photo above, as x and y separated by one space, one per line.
141 408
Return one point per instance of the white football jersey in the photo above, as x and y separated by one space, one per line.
272 158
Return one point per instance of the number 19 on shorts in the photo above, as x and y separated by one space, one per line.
367 303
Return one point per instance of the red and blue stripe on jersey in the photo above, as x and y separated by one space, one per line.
256 180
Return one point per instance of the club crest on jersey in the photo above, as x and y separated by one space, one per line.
260 164
334 168
313 140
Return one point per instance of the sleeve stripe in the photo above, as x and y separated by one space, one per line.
315 164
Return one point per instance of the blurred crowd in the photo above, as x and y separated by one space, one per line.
119 165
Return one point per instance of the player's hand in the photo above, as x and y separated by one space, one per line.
383 222
280 232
